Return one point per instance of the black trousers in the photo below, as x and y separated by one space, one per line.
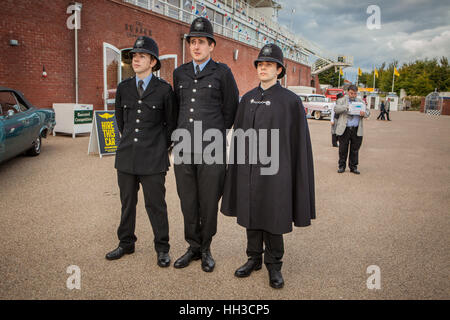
273 251
387 115
200 187
381 115
349 144
155 205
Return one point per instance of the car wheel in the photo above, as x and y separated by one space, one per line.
317 115
35 150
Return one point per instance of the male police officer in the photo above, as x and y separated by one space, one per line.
207 94
146 113
267 204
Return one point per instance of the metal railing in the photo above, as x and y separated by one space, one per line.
233 19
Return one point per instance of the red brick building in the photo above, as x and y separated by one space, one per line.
44 40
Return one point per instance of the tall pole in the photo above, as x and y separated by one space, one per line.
339 79
393 79
374 79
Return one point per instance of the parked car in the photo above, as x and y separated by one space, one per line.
316 105
333 92
22 125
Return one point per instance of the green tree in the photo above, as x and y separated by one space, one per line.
331 77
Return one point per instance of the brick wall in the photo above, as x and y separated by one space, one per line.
44 39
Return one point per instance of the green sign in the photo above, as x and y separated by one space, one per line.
83 116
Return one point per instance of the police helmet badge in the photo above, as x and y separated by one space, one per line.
198 26
140 43
267 51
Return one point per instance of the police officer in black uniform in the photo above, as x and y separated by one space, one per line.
146 113
206 92
267 204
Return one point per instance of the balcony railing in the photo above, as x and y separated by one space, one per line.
237 20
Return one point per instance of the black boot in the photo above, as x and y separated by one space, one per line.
119 252
186 259
250 266
208 262
276 279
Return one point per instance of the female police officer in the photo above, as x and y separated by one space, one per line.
267 204
146 113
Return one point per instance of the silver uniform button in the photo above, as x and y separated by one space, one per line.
195 81
194 90
192 100
125 106
191 120
181 87
135 140
137 130
154 107
209 86
137 120
140 101
191 110
139 111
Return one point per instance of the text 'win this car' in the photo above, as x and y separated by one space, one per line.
22 125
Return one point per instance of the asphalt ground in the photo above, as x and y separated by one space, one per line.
62 208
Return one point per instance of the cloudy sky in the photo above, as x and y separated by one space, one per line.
410 29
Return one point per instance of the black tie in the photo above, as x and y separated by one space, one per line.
141 88
197 69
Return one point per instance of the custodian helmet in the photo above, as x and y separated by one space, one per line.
147 45
272 53
201 27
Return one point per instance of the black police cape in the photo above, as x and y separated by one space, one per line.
272 202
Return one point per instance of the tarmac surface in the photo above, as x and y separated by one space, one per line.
62 208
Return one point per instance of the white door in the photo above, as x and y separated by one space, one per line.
111 74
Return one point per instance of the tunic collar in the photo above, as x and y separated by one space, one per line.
269 90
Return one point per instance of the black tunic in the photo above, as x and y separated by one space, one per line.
211 97
273 202
146 124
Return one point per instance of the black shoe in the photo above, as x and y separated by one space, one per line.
250 266
335 145
276 279
355 171
163 259
118 253
340 170
186 258
208 262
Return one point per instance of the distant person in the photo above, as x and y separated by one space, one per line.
333 121
349 130
382 111
365 99
387 109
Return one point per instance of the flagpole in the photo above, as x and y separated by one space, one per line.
393 80
373 78
339 80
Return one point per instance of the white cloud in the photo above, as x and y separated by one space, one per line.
409 30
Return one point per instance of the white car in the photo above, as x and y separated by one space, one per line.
317 105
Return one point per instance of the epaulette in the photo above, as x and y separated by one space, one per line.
163 81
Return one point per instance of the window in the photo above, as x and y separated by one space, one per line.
9 102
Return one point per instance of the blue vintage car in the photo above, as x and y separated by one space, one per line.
22 125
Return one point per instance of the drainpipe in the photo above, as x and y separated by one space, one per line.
183 38
77 26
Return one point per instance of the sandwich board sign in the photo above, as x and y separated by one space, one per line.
105 135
